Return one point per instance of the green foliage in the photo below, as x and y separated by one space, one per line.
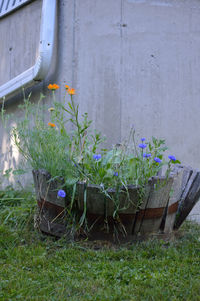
67 148
41 145
16 207
72 153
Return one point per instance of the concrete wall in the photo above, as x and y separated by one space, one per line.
131 62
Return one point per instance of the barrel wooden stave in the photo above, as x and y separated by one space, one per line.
99 203
51 208
148 219
174 199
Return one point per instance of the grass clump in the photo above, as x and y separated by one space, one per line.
37 267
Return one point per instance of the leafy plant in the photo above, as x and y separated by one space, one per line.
67 148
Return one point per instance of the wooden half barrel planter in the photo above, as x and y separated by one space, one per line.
110 216
134 217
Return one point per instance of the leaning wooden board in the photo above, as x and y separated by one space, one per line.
190 195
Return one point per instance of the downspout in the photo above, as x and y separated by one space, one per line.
39 71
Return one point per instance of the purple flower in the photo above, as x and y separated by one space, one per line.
143 139
142 145
172 158
97 157
146 155
115 174
157 160
61 193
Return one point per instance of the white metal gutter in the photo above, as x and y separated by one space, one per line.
8 6
39 71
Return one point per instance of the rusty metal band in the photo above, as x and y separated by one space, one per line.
148 213
47 205
173 208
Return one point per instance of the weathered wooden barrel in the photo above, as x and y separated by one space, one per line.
135 216
51 208
165 204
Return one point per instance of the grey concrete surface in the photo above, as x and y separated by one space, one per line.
195 213
131 62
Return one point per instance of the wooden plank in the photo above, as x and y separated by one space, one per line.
54 229
190 178
149 218
175 195
46 189
186 176
50 217
99 203
189 198
102 208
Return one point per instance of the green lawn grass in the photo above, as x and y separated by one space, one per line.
37 267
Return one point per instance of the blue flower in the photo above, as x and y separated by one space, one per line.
146 155
115 174
97 157
61 193
142 145
157 160
172 158
143 139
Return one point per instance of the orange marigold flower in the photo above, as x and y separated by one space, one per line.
53 87
56 86
50 86
51 124
67 87
71 91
